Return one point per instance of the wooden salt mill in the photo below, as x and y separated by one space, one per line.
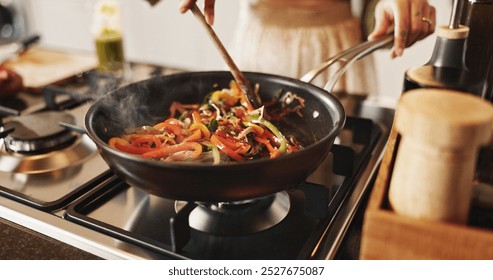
441 132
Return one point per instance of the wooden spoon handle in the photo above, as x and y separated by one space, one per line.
237 74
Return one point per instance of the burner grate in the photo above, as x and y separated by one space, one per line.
39 132
51 172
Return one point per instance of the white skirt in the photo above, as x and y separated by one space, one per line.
290 42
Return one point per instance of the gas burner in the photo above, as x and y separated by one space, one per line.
39 132
37 143
77 152
239 218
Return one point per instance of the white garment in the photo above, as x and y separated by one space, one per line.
290 42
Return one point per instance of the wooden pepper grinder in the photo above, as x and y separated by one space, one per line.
441 132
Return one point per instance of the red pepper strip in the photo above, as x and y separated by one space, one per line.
148 140
292 148
216 140
233 143
113 141
196 135
196 117
132 137
200 126
261 140
243 149
272 137
166 140
173 128
272 151
240 112
161 138
172 108
171 125
168 150
177 106
124 146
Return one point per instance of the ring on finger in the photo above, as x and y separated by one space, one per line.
427 20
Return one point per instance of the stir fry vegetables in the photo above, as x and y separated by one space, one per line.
223 128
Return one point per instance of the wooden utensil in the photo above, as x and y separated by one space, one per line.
238 76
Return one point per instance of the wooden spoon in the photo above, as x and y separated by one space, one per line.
237 74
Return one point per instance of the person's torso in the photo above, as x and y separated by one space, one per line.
312 5
298 13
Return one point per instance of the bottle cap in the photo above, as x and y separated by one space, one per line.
106 20
446 32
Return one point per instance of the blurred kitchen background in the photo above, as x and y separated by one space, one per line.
161 35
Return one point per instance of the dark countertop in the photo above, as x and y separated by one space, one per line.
20 243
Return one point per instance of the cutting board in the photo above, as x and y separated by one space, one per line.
40 66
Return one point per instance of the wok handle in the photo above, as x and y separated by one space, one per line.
347 58
73 127
8 111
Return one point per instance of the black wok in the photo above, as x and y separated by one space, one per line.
147 102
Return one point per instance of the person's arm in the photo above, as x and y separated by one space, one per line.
185 5
412 20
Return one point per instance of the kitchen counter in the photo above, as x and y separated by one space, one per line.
20 243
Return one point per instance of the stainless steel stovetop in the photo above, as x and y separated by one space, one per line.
83 204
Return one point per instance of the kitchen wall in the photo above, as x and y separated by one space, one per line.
161 35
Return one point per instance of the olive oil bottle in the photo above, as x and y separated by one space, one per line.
108 37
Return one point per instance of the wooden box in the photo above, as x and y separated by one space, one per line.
387 235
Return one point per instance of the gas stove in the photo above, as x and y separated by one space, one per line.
53 181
